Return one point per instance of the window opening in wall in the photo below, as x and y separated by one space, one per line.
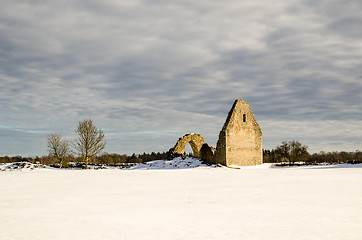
244 117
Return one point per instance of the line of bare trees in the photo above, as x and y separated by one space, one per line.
88 144
84 149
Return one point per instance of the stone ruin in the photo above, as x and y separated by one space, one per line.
240 140
200 149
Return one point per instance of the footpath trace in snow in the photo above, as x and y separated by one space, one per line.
261 202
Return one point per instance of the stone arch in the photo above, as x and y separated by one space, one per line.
195 140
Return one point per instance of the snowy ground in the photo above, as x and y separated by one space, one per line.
263 202
176 163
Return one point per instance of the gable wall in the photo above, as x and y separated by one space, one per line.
240 143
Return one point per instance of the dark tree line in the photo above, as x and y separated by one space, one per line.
293 151
114 158
288 152
105 158
7 159
336 157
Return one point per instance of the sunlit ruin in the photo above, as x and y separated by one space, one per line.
240 140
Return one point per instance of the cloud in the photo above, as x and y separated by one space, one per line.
174 67
327 135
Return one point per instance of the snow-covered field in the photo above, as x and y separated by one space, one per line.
262 202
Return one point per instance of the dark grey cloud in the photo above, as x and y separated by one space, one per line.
149 72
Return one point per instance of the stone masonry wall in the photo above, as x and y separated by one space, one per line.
240 140
195 140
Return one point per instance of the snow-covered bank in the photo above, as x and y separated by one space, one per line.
319 202
176 163
20 166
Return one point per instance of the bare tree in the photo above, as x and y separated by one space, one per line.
90 141
58 147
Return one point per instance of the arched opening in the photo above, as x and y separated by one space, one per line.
193 141
189 152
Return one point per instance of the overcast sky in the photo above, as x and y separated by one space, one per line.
148 72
